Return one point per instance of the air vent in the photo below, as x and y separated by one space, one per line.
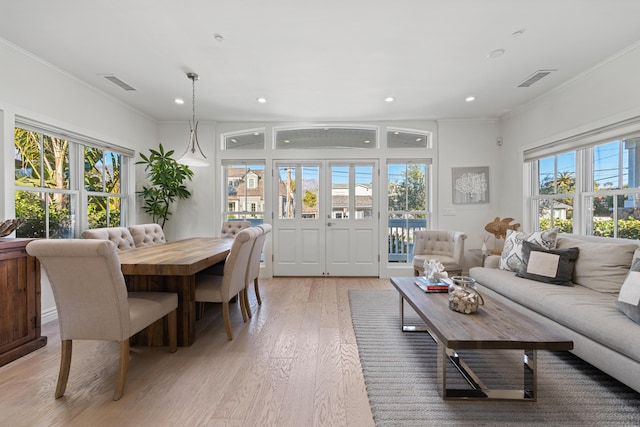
113 79
535 77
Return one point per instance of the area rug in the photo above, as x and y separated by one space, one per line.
400 376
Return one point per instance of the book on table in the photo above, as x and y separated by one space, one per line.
440 285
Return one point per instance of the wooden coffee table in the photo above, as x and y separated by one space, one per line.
494 327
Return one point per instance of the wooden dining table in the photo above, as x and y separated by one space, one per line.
172 267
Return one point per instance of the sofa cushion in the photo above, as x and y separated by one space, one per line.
588 312
554 266
629 298
600 266
511 258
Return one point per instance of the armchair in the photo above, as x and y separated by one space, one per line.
447 247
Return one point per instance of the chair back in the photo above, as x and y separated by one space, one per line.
234 277
439 242
88 287
231 228
147 234
256 252
120 236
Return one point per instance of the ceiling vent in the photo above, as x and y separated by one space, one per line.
535 77
116 81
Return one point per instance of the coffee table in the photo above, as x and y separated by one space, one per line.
494 327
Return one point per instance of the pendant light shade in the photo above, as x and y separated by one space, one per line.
193 156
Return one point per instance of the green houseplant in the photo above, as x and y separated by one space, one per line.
167 178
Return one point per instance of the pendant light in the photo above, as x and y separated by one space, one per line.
193 156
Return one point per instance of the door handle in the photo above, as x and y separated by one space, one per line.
329 224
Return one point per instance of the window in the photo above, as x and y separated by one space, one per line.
555 192
245 140
326 137
593 190
402 138
245 192
408 209
54 196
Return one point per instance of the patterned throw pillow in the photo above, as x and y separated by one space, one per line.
629 298
511 258
553 266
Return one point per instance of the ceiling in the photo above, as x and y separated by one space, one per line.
322 61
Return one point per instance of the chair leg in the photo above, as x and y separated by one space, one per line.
227 322
172 319
245 298
255 285
243 307
122 370
65 366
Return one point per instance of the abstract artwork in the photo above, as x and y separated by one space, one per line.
470 185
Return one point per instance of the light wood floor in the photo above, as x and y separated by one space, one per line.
295 363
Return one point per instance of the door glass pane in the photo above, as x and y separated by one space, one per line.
310 193
364 192
286 192
340 192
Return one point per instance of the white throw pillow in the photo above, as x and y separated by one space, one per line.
629 298
511 258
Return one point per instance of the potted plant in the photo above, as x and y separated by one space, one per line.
167 178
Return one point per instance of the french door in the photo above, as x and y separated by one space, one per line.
326 221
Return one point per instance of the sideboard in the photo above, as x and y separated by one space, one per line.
19 301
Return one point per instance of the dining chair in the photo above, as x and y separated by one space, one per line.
231 228
120 236
216 288
147 234
254 266
92 300
446 247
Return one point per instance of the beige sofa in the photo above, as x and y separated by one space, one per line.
586 312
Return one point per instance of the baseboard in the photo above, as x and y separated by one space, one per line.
49 315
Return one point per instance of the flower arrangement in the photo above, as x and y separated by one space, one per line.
434 270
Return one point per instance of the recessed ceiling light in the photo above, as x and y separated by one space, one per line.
389 99
470 98
234 140
518 33
286 141
256 134
367 141
261 100
396 133
218 37
179 101
418 139
496 53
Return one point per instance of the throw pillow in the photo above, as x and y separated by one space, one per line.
511 258
554 266
629 298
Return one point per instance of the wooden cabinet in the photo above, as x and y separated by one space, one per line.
19 301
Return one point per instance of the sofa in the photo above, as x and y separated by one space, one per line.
585 309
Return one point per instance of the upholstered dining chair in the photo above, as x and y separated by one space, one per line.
216 288
120 236
147 234
446 247
254 266
231 228
92 300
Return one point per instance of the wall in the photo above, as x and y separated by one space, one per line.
32 88
608 93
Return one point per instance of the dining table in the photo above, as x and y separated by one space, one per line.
172 267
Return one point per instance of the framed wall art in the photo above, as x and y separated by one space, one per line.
470 185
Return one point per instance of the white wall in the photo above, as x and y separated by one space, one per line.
31 88
607 94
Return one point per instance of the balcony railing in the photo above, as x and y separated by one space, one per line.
400 237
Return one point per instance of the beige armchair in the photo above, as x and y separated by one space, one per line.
147 234
120 236
231 228
93 303
215 288
446 247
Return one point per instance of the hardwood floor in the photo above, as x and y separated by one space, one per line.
294 363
